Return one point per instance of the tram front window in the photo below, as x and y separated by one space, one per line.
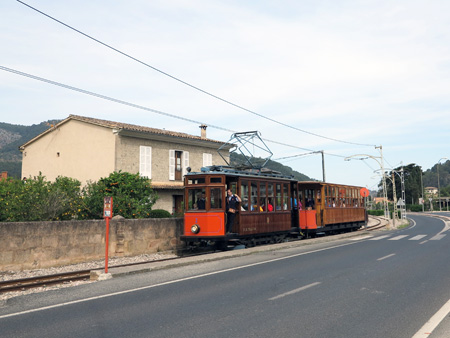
216 198
196 199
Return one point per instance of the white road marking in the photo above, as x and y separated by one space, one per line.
170 282
437 237
380 259
295 291
434 321
378 238
418 237
360 238
397 238
423 242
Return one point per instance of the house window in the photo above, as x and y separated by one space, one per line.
178 162
145 161
207 160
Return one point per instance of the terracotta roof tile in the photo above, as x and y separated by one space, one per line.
132 127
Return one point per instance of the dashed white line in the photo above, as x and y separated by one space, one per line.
380 259
360 238
437 237
397 238
378 238
295 291
418 237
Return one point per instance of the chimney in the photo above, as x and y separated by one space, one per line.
4 175
203 130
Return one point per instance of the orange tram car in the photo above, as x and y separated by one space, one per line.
273 208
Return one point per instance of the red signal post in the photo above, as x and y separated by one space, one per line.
107 215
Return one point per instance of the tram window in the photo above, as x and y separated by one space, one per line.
270 197
216 198
244 196
196 199
263 196
200 180
254 197
309 199
278 201
216 179
286 204
301 202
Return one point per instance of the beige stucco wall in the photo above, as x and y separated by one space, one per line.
165 199
79 150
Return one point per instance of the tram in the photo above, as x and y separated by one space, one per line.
273 207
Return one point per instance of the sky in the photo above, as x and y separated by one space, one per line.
345 77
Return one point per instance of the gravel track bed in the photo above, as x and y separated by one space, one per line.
92 265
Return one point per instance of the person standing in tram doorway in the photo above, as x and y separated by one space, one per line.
231 208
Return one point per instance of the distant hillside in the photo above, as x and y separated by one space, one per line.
237 159
12 136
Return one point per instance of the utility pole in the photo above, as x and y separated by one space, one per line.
323 166
403 206
385 202
394 192
421 183
439 184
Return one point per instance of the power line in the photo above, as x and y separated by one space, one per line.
190 85
108 98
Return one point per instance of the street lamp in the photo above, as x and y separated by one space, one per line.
439 185
379 160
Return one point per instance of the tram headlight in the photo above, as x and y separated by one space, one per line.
195 229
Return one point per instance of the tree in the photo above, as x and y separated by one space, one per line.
413 185
132 195
430 178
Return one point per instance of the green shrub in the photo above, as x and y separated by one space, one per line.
159 213
36 199
376 212
132 196
414 207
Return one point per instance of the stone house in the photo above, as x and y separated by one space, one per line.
88 149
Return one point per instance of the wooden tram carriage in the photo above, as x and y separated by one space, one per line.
333 208
273 207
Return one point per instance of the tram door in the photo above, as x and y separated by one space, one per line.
233 185
296 202
319 207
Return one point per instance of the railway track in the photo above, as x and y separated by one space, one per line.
35 282
65 277
377 226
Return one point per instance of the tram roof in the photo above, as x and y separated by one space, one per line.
242 171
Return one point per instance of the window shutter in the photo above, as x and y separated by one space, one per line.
171 165
207 160
145 161
185 161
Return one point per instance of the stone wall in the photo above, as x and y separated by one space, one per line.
32 245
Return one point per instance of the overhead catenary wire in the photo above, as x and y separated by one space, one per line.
191 85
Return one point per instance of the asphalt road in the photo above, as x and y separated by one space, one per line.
388 284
